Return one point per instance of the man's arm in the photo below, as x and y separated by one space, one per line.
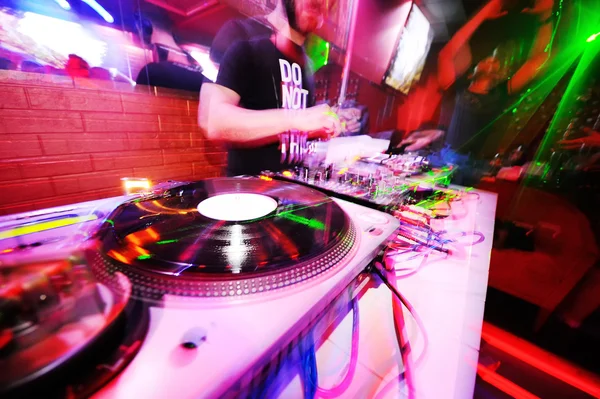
540 52
455 58
592 139
421 139
221 118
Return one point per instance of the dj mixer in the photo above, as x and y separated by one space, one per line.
383 182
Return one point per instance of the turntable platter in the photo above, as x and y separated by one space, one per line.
227 229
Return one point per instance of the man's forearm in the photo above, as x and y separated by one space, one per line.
463 35
221 118
537 59
236 125
455 58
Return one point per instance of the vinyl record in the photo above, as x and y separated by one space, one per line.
227 229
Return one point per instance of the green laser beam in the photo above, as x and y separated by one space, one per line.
544 83
568 100
312 223
317 51
163 242
585 54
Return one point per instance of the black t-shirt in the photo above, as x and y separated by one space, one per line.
265 78
237 30
473 126
170 75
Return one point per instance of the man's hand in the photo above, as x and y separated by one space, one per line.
591 140
350 119
541 8
421 139
494 9
319 121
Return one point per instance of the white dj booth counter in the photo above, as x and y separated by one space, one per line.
352 349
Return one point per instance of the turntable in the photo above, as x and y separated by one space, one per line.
232 271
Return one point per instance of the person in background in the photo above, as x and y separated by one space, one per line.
50 70
100 73
486 92
172 67
171 74
591 139
262 103
77 67
7 65
32 66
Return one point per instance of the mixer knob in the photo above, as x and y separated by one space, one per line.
317 177
328 172
425 166
370 182
305 171
373 191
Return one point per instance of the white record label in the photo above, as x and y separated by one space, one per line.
237 207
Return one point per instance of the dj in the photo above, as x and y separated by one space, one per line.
261 105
